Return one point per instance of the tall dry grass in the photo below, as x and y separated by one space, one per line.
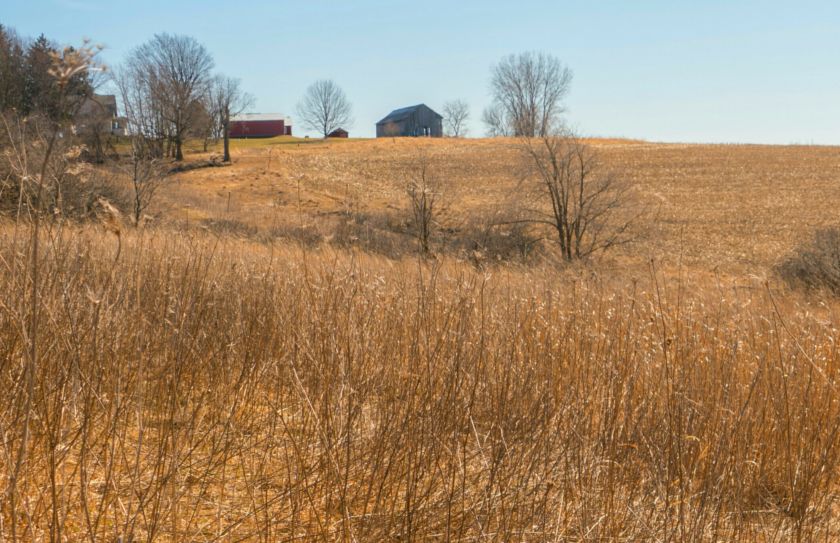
198 388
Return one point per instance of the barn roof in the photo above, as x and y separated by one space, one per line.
262 117
403 113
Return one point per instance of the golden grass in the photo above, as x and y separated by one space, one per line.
196 388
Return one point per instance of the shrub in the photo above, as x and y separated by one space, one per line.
374 232
74 198
497 243
815 265
307 236
229 227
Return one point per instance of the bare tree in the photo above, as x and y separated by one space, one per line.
527 91
496 122
93 126
228 100
138 99
455 115
422 191
203 121
175 71
325 107
146 174
581 203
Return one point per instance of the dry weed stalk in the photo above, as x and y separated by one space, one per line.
224 391
65 66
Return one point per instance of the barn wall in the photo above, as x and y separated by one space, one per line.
425 117
258 129
413 125
390 130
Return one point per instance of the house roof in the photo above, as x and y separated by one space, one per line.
99 103
263 117
403 113
105 99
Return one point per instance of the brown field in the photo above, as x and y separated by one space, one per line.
258 365
736 209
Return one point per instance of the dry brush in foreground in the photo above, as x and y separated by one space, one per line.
203 389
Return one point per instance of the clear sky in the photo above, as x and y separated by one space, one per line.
664 70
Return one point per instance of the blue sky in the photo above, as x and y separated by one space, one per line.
694 71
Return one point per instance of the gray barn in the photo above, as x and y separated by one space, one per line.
414 121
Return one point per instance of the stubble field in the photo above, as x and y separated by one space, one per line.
738 209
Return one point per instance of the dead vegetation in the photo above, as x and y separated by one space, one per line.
201 388
816 264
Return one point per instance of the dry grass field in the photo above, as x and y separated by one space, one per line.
259 365
734 209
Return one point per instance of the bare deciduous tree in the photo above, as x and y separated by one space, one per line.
581 203
495 121
228 100
422 191
146 174
203 121
139 104
527 91
176 73
325 107
455 115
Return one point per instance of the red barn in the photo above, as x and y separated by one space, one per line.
260 125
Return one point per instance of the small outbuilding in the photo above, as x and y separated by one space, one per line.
413 121
339 133
260 125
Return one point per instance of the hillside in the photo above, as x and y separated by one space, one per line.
732 208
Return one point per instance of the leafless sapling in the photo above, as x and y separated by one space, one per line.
423 191
146 174
228 100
